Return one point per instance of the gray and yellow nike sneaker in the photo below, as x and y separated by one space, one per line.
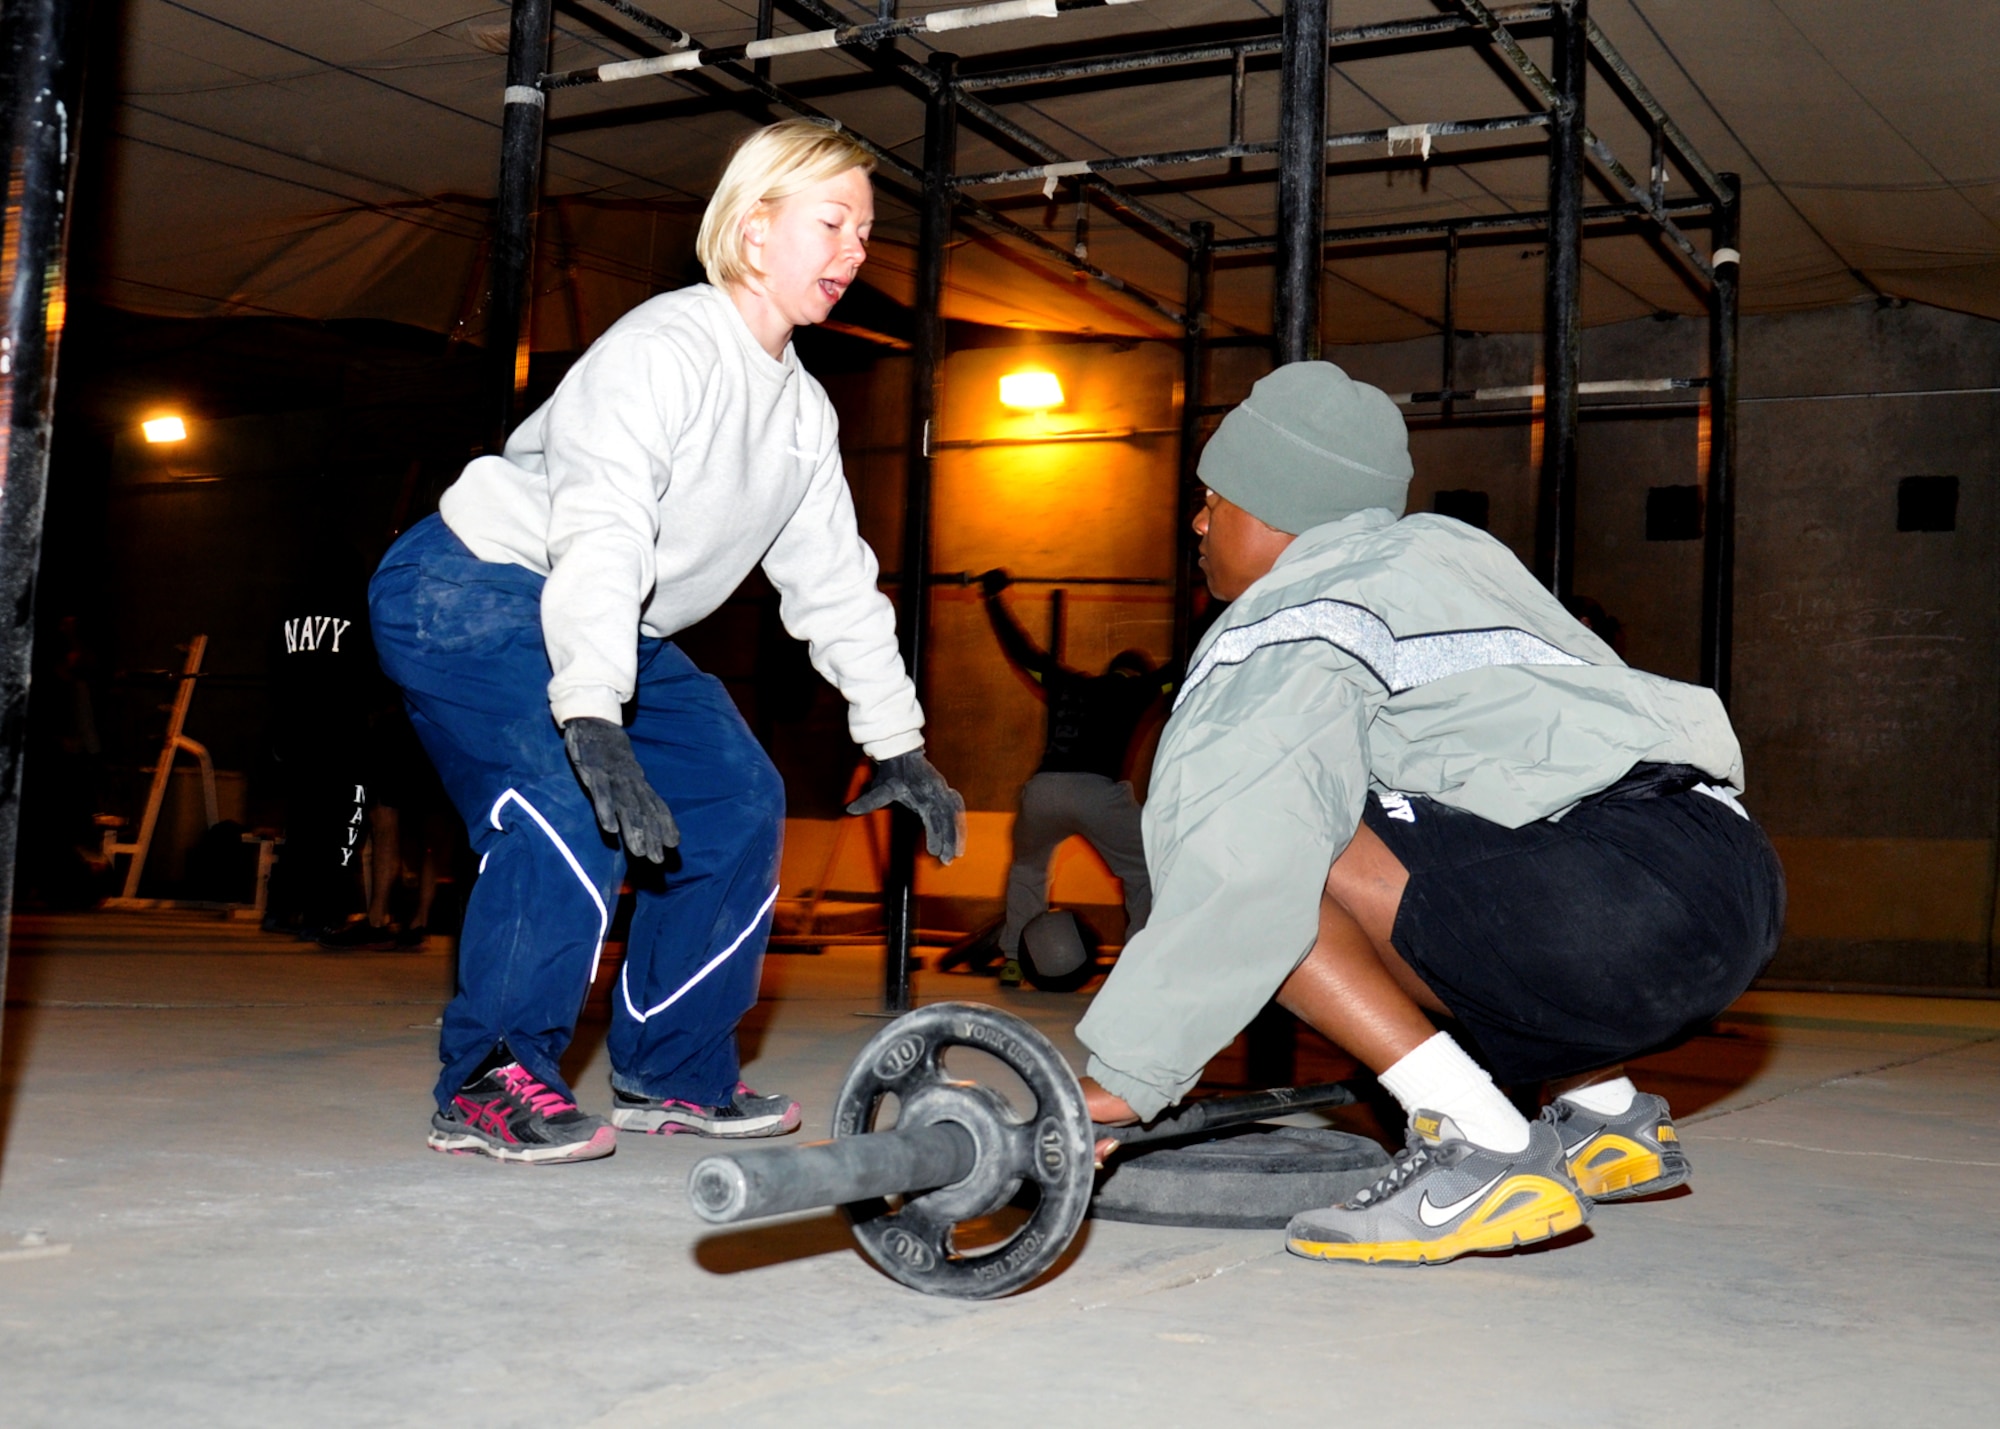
1445 1197
1616 1158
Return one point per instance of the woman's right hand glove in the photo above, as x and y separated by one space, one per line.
627 806
993 582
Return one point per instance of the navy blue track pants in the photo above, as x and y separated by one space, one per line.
463 638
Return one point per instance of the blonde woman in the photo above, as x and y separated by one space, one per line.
530 626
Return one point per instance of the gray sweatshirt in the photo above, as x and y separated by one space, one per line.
674 458
1414 655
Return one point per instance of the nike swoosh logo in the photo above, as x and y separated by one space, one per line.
1435 1216
1570 1150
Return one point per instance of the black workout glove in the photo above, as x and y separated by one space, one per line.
601 753
909 780
993 582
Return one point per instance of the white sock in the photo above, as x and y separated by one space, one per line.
1438 1076
1612 1098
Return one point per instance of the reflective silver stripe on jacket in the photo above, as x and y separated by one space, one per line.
1400 664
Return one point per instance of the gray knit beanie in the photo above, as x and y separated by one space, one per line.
1310 445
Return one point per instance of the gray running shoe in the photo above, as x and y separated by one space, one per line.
1444 1197
1617 1158
508 1115
745 1114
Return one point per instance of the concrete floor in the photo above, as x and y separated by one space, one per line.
216 1209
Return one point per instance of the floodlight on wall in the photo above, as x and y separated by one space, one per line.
164 429
1031 391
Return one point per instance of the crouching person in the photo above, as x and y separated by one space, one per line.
1401 781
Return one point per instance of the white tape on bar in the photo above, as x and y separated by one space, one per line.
1053 173
975 15
1585 389
1630 384
524 94
1404 137
792 44
1725 255
639 69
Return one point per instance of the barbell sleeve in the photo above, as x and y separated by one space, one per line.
745 1186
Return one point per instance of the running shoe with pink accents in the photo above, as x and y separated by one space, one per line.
508 1115
746 1113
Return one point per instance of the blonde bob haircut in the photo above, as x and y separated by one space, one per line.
767 168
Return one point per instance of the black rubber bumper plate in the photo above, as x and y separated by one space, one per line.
1246 1178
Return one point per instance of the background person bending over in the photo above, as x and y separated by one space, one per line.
1077 788
1400 780
529 625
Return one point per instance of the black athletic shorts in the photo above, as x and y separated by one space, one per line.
1574 943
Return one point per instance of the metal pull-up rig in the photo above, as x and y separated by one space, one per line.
1302 45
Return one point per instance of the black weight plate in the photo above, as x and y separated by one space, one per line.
1245 1178
1051 1149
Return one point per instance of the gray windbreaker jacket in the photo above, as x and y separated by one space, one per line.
1415 655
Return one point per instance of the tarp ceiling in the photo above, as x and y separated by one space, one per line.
335 159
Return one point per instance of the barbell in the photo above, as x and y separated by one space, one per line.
958 1151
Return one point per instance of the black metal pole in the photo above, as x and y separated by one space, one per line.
516 204
1450 324
1187 493
1271 1038
41 47
899 891
762 68
1718 552
1301 181
1058 636
1562 326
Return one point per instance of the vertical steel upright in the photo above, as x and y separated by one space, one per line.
1718 552
516 205
41 49
1301 182
1562 323
1187 494
1448 373
1271 1039
899 884
762 68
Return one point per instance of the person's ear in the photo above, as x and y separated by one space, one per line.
756 232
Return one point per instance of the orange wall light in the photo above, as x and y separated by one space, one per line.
164 429
1031 391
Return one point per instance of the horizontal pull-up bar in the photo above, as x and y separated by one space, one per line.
873 32
1229 50
1043 439
1483 223
970 578
1417 136
1121 202
1534 389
